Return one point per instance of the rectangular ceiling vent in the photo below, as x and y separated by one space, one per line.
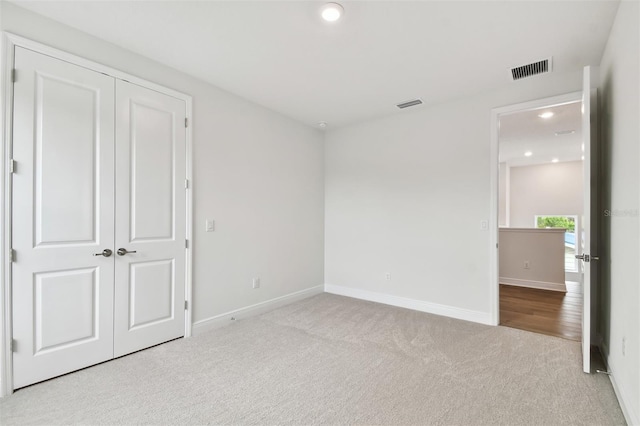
409 103
529 70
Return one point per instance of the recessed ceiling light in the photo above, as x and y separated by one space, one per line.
528 154
331 12
322 124
555 160
547 114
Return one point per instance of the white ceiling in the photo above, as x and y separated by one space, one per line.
526 131
278 53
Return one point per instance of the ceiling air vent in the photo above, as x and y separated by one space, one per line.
409 103
535 68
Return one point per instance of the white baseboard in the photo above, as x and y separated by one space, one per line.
630 416
416 305
542 285
257 309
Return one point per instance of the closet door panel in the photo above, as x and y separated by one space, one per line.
62 214
152 173
150 218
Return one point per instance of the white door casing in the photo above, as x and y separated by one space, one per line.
150 218
494 178
71 308
62 215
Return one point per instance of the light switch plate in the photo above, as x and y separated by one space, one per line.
209 225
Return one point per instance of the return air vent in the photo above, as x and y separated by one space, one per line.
409 103
529 70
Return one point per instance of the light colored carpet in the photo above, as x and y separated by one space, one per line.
333 360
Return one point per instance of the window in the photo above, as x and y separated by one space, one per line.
568 222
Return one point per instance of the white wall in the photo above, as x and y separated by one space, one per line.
549 189
405 195
532 258
257 173
619 251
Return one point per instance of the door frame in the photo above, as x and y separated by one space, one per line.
9 43
494 276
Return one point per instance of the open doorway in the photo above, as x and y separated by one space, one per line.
540 203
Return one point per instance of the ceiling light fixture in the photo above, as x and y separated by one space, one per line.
546 115
331 12
322 124
555 160
528 154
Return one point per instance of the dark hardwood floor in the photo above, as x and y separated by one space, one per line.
543 311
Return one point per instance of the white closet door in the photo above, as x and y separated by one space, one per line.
63 214
150 218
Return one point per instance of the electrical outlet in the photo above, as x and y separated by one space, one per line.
388 276
256 283
484 225
527 264
624 346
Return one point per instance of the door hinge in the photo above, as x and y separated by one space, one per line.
13 345
186 243
12 255
13 75
186 183
12 166
186 305
186 122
